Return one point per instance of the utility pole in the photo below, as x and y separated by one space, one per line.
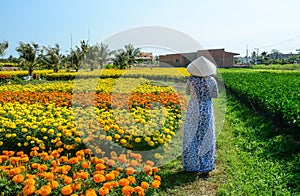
247 60
257 51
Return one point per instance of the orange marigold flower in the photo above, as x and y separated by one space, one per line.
42 167
73 160
79 153
63 159
30 176
122 158
67 190
29 182
100 166
98 178
25 159
129 170
88 151
134 163
28 189
65 169
20 153
35 148
45 190
83 175
54 163
67 180
111 162
131 179
76 186
108 185
138 189
85 164
90 192
157 177
103 191
150 163
18 178
147 168
53 184
155 169
14 171
145 185
35 165
110 176
124 182
119 169
10 153
127 190
155 184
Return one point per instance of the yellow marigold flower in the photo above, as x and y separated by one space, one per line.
137 140
77 139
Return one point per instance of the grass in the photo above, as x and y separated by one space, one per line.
252 159
277 66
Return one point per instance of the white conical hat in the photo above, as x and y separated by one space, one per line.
202 67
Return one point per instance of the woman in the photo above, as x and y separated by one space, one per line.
199 142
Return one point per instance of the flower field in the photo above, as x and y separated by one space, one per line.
59 138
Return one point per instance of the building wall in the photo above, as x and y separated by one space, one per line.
217 56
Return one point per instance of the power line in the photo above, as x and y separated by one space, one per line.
282 42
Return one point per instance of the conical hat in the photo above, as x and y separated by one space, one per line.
202 67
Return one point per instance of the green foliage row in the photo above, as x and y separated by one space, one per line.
277 66
275 93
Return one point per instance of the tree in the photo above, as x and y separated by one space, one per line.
52 57
132 53
78 55
3 47
264 56
126 58
28 55
91 57
121 59
103 54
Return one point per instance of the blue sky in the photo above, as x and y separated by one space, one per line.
229 24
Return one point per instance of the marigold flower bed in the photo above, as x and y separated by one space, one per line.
46 128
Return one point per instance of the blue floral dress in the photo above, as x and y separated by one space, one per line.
199 141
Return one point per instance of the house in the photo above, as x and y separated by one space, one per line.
218 56
145 57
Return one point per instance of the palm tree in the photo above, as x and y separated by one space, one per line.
132 53
52 57
78 55
91 57
103 54
28 55
121 59
126 58
3 47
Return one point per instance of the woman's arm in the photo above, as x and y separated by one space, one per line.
187 87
